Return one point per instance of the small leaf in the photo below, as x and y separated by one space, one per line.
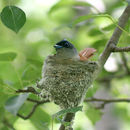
94 32
14 103
82 18
99 43
8 56
35 62
61 113
13 17
89 16
109 27
70 110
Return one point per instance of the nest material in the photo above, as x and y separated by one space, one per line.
66 81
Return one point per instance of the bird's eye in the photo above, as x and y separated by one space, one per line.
66 44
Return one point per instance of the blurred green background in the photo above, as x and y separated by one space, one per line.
47 23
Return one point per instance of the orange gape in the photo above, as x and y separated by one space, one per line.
86 53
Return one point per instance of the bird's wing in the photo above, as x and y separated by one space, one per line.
86 53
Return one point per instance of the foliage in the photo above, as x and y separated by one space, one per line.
22 54
8 56
14 103
13 17
59 115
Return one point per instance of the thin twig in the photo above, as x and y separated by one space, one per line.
28 90
30 114
37 103
123 49
107 101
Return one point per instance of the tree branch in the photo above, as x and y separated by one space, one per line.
28 90
37 103
68 118
115 36
123 49
107 101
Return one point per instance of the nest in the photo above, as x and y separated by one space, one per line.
66 81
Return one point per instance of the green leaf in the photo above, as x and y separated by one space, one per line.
99 43
89 16
61 113
8 56
13 17
35 62
94 32
14 103
69 3
93 114
109 27
40 119
70 110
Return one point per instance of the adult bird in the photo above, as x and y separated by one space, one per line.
67 75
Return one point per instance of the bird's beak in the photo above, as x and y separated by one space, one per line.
57 46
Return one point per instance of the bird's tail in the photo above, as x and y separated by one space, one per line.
86 53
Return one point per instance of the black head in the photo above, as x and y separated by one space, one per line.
63 44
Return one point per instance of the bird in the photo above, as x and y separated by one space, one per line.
67 75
